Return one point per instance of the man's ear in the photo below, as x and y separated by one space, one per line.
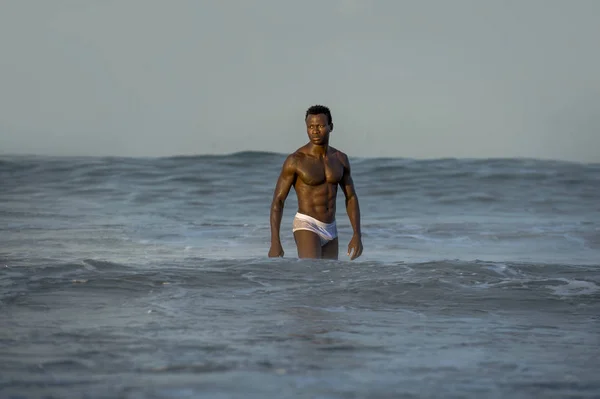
331 127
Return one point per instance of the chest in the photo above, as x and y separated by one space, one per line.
319 171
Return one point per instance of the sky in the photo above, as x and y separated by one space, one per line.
414 79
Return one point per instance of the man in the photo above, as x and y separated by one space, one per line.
315 170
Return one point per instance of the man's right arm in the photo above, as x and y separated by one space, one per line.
282 189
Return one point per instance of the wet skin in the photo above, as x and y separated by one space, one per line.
316 170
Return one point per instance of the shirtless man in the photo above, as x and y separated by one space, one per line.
315 170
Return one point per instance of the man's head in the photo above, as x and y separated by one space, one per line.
318 124
320 109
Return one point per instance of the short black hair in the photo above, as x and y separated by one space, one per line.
319 109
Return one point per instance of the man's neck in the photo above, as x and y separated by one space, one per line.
319 150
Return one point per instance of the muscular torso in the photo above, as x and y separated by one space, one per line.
316 183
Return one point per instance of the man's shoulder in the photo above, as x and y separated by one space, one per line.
339 154
336 151
297 156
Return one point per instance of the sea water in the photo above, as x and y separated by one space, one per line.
149 278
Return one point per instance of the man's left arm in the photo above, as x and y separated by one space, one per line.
355 246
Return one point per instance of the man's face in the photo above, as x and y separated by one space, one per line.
318 129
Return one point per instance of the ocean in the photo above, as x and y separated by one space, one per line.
149 278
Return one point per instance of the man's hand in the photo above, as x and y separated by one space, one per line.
276 251
356 246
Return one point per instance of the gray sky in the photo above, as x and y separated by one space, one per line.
419 79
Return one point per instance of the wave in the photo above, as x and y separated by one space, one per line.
93 169
364 284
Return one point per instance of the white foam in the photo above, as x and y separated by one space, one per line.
574 288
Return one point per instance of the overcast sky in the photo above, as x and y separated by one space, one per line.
418 79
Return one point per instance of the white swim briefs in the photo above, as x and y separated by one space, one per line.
325 231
